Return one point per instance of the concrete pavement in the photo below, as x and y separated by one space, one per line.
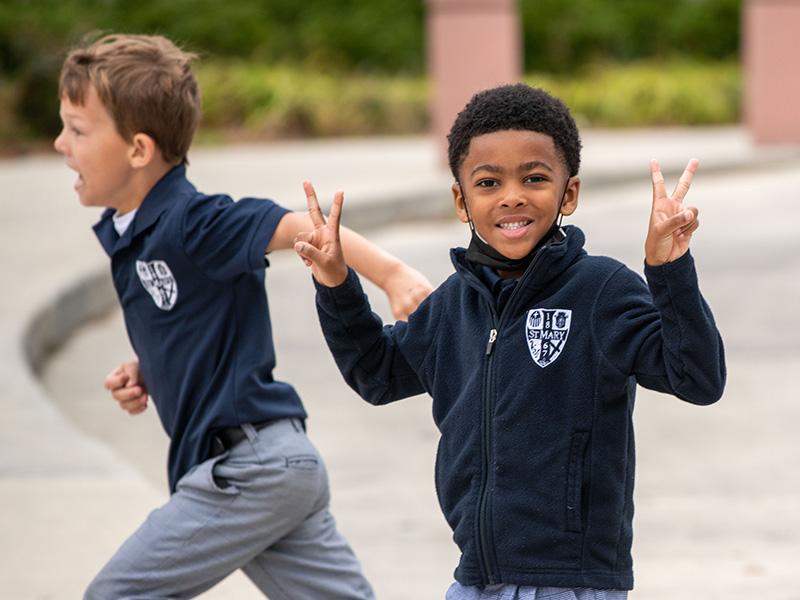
69 498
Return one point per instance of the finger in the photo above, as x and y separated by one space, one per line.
135 408
304 236
689 229
317 218
310 254
685 181
127 394
675 223
115 379
659 191
335 216
133 402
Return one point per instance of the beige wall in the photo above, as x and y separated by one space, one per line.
771 53
472 45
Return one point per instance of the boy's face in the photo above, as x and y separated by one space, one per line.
511 184
97 152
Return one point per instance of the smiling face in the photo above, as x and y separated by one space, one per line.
95 150
511 183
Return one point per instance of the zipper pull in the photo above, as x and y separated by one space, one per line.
490 344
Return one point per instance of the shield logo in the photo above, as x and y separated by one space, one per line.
158 280
546 330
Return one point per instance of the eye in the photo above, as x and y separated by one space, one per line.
76 131
535 178
487 183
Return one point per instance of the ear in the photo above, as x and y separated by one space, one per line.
458 201
571 196
142 150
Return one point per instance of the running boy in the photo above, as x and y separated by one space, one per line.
531 351
248 490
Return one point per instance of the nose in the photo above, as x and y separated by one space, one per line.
514 196
59 144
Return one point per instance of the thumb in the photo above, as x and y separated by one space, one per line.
309 253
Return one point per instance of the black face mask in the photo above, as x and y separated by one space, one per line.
482 253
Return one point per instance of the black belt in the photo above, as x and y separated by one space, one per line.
225 439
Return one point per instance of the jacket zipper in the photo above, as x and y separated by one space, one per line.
483 495
484 504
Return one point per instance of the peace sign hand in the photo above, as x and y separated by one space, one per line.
321 249
671 224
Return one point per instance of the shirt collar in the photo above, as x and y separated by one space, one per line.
122 222
160 197
157 200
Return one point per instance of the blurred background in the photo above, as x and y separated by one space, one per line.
347 93
281 68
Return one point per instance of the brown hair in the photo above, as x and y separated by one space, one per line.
146 84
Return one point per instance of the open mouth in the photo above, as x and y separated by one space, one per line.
513 226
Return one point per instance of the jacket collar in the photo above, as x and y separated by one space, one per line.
158 199
551 260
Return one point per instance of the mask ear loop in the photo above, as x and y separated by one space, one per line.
469 216
560 204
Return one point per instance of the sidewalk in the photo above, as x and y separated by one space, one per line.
68 499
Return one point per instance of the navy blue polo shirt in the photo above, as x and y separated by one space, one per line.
189 272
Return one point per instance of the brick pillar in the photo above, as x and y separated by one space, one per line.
771 52
472 45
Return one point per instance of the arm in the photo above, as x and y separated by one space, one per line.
404 286
126 387
662 332
371 357
665 335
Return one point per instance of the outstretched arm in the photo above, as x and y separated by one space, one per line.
671 223
405 287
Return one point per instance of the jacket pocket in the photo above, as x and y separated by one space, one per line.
577 451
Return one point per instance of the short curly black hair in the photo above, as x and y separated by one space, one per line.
515 107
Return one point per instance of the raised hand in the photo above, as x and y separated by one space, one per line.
321 249
126 387
671 223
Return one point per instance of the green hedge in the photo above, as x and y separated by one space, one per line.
280 102
651 94
246 101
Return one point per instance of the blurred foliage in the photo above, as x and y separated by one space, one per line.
304 51
248 100
378 35
564 35
280 101
649 93
243 100
383 35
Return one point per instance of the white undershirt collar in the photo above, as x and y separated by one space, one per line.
122 222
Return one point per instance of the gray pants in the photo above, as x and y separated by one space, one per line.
502 591
262 506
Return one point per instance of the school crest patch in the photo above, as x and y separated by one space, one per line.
158 280
546 330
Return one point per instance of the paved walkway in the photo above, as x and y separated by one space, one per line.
68 499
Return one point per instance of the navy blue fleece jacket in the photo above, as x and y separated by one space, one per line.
535 465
